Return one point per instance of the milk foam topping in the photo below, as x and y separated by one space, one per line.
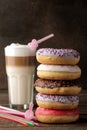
16 49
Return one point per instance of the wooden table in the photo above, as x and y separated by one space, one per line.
5 124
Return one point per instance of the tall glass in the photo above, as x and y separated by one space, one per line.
20 65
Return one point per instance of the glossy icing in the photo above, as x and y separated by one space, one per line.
43 111
58 52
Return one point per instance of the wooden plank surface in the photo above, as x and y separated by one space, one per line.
81 124
5 124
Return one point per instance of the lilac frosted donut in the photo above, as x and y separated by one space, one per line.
57 101
57 56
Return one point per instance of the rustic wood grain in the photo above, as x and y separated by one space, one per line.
81 124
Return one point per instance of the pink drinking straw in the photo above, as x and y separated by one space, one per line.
45 38
28 114
34 43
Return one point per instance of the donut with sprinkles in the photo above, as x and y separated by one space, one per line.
57 56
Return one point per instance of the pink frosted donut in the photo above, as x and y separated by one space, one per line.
56 116
57 56
57 101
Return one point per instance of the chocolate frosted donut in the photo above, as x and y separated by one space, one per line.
61 87
56 101
57 56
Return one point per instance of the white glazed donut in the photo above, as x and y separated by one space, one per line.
58 72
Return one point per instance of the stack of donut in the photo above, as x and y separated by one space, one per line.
57 85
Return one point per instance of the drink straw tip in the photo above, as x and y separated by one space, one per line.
53 34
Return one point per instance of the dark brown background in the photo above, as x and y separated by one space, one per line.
22 20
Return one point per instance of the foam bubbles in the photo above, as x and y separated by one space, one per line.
16 49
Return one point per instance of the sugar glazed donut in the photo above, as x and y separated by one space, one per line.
57 56
61 87
58 72
56 116
56 101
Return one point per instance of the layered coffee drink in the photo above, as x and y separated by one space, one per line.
20 65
